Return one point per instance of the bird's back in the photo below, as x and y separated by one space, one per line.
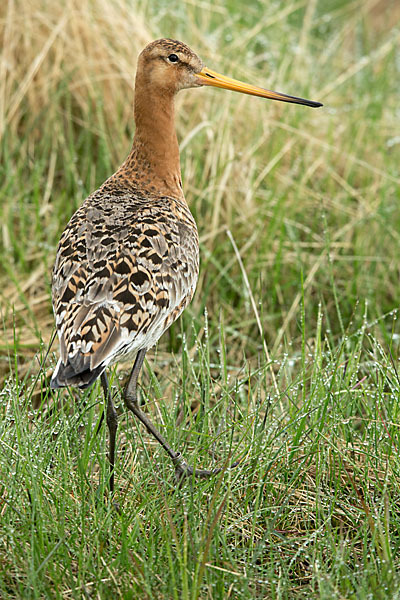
126 267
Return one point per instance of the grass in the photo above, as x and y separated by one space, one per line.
288 354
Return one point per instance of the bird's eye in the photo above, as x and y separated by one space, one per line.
173 58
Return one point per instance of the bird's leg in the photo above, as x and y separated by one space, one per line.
182 469
112 424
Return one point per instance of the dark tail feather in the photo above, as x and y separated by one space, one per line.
66 375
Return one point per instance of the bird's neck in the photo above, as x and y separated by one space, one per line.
153 163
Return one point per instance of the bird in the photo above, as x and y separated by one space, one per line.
127 262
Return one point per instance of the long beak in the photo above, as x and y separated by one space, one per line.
208 77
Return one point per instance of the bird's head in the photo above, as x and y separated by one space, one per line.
170 66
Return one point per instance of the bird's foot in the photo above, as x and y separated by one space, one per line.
183 470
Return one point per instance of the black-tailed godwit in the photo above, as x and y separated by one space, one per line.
128 260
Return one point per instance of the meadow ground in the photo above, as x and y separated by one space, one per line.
288 355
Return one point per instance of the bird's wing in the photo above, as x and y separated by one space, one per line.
124 272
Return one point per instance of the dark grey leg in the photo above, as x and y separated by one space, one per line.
182 469
112 424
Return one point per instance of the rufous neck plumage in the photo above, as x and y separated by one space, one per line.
153 163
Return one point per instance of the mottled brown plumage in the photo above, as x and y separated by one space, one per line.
127 262
126 267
